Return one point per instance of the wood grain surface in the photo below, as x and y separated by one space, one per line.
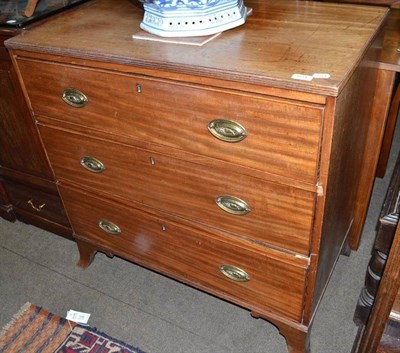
283 136
24 167
306 167
281 216
279 39
20 144
188 254
37 202
386 52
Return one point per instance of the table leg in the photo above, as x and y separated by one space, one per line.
86 253
297 341
297 338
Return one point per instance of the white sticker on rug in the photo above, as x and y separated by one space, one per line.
78 317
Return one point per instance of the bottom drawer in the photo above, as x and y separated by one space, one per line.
39 203
255 277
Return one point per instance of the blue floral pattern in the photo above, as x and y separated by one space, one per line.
179 4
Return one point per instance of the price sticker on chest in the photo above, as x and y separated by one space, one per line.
302 77
309 78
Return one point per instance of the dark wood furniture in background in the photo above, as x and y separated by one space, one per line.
6 210
380 274
381 334
27 188
215 165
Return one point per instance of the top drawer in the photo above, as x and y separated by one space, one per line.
281 137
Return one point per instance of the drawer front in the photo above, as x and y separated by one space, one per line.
192 255
275 214
37 202
276 136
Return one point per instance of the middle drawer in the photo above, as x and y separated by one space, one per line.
277 215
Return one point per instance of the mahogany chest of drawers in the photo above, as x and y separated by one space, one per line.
213 164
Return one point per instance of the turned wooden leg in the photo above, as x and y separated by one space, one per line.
86 253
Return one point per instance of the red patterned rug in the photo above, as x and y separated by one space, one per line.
35 330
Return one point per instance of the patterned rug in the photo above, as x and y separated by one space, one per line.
35 330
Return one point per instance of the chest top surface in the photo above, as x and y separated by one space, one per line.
279 39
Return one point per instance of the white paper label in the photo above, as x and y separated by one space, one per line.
319 75
78 317
302 77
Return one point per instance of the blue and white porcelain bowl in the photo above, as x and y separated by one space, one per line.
179 4
189 18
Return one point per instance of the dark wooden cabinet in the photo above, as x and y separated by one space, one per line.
6 209
378 309
27 188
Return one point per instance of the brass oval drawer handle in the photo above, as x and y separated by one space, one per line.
235 273
227 130
109 227
36 208
92 164
74 98
233 205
